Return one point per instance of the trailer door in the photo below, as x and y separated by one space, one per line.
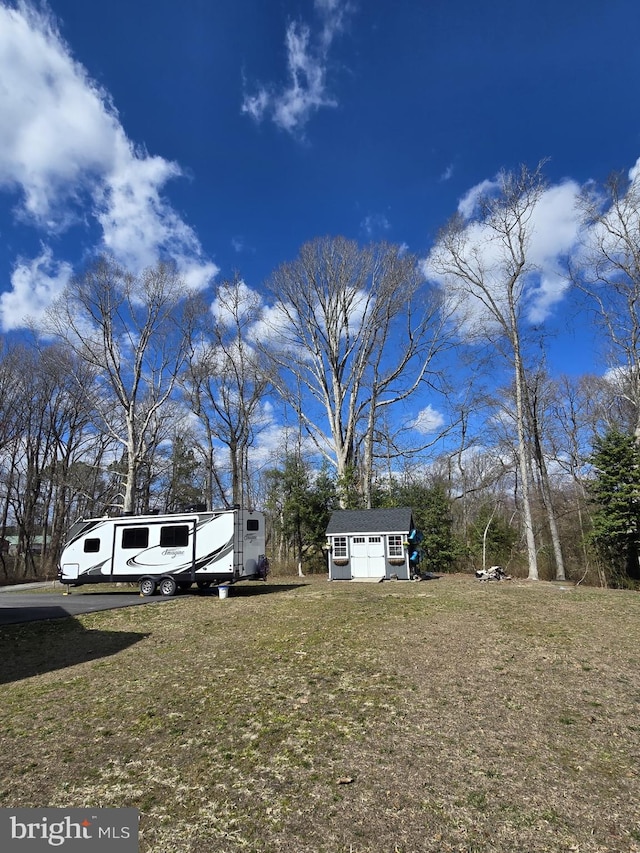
130 541
178 547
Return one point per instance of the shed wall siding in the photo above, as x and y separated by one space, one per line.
367 558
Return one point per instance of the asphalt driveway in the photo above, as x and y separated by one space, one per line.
19 606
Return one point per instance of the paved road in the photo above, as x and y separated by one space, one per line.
21 606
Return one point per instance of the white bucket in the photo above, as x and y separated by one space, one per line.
223 591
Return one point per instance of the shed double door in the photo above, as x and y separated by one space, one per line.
367 557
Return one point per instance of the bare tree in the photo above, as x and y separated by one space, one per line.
608 271
346 342
30 452
11 391
69 420
423 334
163 436
484 266
128 329
225 385
52 417
13 412
575 408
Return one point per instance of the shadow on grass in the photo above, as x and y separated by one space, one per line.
34 648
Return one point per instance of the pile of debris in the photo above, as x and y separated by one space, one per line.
494 573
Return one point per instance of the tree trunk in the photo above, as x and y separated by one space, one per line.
523 464
128 505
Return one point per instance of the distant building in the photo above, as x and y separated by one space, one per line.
12 545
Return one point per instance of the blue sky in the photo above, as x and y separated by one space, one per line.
229 132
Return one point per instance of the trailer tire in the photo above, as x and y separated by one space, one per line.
184 584
203 584
167 586
147 587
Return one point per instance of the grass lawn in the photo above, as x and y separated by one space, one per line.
311 717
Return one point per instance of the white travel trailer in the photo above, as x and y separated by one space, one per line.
166 552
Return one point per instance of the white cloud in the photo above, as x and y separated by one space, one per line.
428 420
66 155
447 174
291 106
55 123
275 327
556 228
240 246
333 14
307 90
256 105
469 201
553 229
618 376
35 284
375 223
235 302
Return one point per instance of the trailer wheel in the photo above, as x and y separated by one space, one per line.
167 586
147 587
184 584
203 584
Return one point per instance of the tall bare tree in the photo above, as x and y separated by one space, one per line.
225 385
484 265
537 400
608 270
71 381
11 391
53 415
347 339
128 328
33 451
395 373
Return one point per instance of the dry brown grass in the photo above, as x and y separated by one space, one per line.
310 717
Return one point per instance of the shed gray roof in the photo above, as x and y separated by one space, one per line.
392 520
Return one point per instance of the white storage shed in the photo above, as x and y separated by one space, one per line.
371 544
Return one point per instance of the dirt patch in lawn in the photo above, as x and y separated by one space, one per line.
447 715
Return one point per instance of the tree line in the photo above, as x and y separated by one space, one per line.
357 377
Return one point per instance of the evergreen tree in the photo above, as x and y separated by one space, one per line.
616 493
183 489
439 545
431 508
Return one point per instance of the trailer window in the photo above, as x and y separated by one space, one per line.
174 536
253 524
135 537
91 546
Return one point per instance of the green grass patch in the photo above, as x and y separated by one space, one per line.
317 717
